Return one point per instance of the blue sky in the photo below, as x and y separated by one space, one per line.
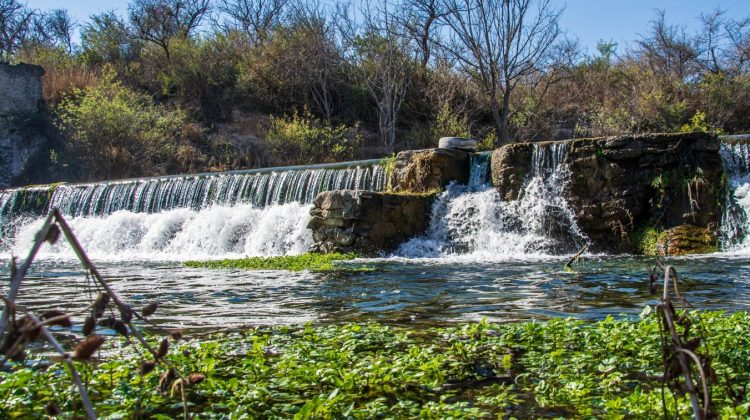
589 20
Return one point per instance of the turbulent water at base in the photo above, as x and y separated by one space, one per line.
473 221
179 234
260 212
735 221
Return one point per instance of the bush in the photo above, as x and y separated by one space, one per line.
303 138
116 132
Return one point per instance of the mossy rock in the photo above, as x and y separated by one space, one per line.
679 240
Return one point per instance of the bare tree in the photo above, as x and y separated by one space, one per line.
419 21
15 20
322 63
255 18
738 49
53 29
498 43
381 59
709 41
159 21
668 50
61 26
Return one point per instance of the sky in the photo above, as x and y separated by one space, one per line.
621 21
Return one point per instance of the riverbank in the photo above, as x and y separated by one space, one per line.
563 367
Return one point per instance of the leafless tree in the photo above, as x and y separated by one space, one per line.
255 18
709 41
53 28
15 20
738 51
498 43
419 21
61 27
159 21
381 58
668 50
322 62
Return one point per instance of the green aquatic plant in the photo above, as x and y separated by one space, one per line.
610 368
307 261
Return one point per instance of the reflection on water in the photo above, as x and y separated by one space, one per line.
397 291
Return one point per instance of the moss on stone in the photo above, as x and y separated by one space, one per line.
680 240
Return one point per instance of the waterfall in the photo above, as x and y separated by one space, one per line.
253 212
735 221
474 220
257 187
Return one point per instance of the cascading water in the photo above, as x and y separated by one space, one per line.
257 187
735 221
256 212
474 220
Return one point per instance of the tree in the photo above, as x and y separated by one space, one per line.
668 50
498 43
158 21
108 39
15 20
59 27
255 18
420 22
382 61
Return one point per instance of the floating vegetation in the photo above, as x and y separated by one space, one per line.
571 368
307 261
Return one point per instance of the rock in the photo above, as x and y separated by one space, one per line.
620 184
683 240
510 166
458 143
382 221
429 170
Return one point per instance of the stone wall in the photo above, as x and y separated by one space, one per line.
622 188
371 223
368 223
24 140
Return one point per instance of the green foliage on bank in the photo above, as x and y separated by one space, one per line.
304 138
118 132
307 261
560 368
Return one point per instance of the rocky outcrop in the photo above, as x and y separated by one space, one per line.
510 168
620 186
429 170
24 141
365 222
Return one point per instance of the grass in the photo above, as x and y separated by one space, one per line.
560 368
307 261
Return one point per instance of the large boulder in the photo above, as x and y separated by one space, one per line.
429 170
365 222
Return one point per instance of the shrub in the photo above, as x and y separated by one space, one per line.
303 138
116 132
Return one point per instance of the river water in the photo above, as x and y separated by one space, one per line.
397 291
481 256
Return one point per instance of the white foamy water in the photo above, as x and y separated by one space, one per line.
181 234
735 221
474 223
